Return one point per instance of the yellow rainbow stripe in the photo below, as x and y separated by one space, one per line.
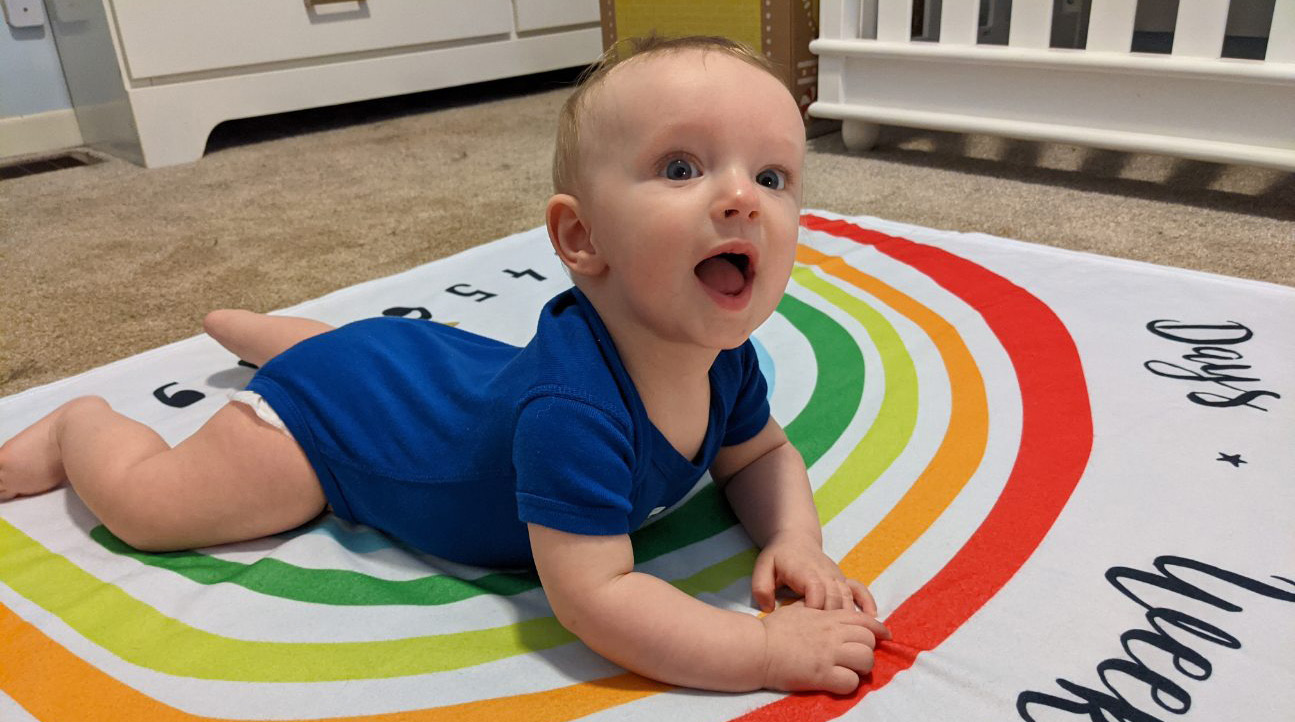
960 451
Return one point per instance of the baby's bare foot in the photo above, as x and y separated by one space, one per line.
30 463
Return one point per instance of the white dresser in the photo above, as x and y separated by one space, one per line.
149 79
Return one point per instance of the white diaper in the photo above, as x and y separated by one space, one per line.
261 408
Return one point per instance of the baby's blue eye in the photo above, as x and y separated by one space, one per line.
770 178
680 170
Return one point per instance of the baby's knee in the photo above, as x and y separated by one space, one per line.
86 404
143 536
140 521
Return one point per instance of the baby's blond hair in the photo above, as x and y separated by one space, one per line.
566 158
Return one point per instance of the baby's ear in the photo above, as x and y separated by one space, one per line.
570 236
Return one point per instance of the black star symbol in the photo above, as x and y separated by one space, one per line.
1234 459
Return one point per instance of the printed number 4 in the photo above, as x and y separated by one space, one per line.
527 272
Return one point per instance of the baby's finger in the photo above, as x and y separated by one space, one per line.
815 594
847 595
841 680
858 657
862 597
833 598
872 623
762 584
826 593
859 634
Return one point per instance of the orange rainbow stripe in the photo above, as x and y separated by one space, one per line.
85 693
960 451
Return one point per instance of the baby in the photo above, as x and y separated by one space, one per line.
678 190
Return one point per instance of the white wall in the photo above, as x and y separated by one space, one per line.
35 109
31 79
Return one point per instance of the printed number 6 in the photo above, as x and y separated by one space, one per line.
179 399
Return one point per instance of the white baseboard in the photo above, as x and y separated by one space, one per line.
39 133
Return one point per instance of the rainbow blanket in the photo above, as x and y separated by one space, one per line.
1068 480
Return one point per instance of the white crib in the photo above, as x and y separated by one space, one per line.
1190 102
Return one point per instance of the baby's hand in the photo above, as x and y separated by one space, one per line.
799 563
812 649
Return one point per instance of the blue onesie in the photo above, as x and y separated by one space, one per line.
451 442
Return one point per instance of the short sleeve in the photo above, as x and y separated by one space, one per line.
574 465
750 406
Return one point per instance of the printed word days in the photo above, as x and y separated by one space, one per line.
1213 361
1175 637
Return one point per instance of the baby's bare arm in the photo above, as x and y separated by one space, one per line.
767 485
641 622
765 481
647 626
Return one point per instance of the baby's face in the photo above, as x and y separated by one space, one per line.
691 185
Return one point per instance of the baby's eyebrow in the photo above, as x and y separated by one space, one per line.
680 135
666 133
779 144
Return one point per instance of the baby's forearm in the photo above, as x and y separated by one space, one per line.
647 626
772 496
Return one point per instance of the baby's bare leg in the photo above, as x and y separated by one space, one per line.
236 478
258 337
30 462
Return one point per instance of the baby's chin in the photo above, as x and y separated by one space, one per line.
725 341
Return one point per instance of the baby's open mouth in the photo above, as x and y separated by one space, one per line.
727 273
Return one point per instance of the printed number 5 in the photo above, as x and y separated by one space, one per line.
465 290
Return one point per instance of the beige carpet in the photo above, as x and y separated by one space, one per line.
105 261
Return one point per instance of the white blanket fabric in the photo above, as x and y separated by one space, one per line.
1069 481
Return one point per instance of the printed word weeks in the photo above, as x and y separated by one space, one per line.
1211 361
1159 643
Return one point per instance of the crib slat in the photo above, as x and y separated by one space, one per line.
831 20
840 19
1110 25
895 20
1031 25
867 14
1199 33
1281 37
960 22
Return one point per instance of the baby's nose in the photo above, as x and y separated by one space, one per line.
740 200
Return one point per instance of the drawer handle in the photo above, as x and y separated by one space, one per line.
311 3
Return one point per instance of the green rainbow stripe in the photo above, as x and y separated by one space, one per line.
836 395
819 424
337 587
136 632
141 635
883 442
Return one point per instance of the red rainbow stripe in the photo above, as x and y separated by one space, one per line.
1056 440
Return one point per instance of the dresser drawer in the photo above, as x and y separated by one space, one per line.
547 14
167 37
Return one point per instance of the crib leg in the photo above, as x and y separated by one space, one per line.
859 135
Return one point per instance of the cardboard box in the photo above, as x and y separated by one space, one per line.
781 29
